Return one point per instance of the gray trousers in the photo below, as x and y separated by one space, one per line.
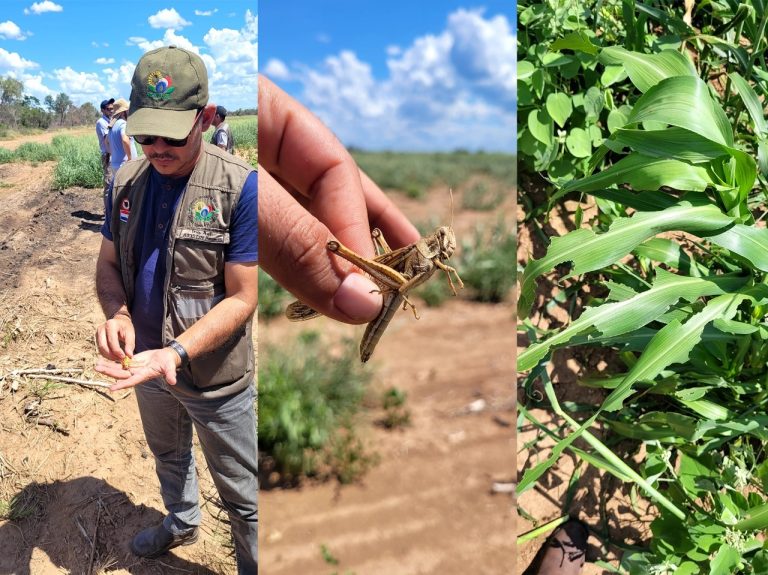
226 428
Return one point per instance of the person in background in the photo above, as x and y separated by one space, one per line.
102 128
222 135
176 278
121 146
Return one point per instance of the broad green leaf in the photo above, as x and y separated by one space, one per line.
647 70
577 41
559 108
749 242
726 559
707 409
578 143
524 69
751 101
541 126
643 173
589 252
593 103
630 314
612 74
756 519
675 143
685 102
617 118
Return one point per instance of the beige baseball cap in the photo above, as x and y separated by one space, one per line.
169 86
120 105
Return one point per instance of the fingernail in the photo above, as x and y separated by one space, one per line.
358 298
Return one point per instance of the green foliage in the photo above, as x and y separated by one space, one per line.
613 106
309 397
34 152
487 262
272 297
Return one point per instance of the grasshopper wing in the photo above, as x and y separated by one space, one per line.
298 311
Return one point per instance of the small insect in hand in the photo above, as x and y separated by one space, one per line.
396 272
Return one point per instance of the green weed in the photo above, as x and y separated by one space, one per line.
487 262
309 397
396 414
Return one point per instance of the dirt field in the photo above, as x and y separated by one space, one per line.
79 481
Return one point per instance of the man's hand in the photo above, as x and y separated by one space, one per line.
311 191
142 367
116 337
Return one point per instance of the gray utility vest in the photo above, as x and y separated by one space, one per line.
194 280
224 127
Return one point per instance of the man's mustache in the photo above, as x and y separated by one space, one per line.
163 156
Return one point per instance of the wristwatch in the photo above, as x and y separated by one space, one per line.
178 348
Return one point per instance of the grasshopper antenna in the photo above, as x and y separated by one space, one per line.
450 193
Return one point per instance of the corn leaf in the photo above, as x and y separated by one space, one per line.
647 70
588 251
613 319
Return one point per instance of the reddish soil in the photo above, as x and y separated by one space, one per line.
76 475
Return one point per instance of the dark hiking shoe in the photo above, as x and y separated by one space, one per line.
154 541
564 552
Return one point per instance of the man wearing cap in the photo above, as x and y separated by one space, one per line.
102 127
121 146
177 281
222 136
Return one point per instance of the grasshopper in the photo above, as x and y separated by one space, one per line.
396 272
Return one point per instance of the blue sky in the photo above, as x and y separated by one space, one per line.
88 49
427 75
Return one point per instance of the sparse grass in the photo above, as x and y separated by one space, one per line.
483 196
414 173
309 397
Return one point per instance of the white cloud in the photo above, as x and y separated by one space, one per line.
104 61
41 7
206 12
454 89
13 62
232 62
168 18
169 37
277 70
79 86
10 31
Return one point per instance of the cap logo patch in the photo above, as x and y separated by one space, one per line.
203 211
159 86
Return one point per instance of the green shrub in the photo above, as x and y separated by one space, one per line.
487 263
308 400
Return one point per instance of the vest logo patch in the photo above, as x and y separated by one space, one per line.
203 211
125 210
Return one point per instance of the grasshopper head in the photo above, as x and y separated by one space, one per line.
446 241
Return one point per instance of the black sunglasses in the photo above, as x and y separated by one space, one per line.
150 140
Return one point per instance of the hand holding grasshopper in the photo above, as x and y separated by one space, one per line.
311 191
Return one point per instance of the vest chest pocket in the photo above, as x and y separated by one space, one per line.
198 255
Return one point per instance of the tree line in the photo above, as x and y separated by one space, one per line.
20 110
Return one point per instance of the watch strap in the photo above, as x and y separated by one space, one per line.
178 348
